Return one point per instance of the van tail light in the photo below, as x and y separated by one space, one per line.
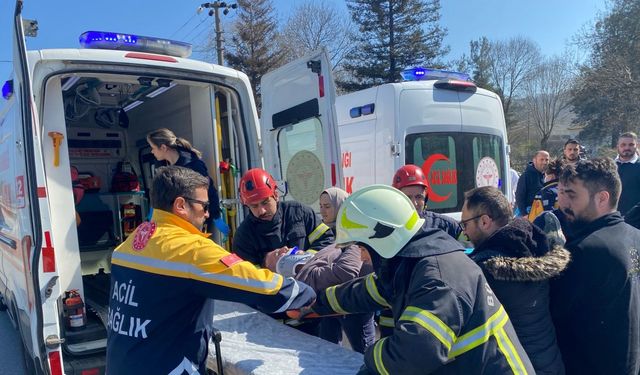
321 85
55 363
91 371
454 84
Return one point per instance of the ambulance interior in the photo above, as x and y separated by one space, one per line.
106 120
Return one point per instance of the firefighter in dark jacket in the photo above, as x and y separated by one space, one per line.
274 228
530 182
448 320
518 261
595 304
165 277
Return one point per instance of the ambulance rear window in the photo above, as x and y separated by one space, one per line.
455 163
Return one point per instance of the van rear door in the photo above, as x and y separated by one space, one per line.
37 311
299 128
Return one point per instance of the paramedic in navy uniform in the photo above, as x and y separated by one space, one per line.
166 146
165 277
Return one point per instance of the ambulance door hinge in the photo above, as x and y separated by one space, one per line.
48 289
395 149
53 341
30 27
315 66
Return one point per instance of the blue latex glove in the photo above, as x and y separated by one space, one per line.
222 226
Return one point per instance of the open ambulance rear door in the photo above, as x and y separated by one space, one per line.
299 128
33 288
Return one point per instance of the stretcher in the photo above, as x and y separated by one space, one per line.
254 343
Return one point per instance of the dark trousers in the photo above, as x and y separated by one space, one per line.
359 329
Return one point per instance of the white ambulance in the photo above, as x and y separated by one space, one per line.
90 108
438 120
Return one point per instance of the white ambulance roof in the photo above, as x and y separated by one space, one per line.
111 57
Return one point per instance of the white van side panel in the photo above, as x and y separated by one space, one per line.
65 242
484 109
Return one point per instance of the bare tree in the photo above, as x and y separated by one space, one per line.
510 62
547 94
315 24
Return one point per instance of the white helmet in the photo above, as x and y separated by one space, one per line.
380 216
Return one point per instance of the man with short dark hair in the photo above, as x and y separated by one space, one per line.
629 171
518 262
531 182
595 302
164 279
571 151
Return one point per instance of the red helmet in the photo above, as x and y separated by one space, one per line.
409 175
256 185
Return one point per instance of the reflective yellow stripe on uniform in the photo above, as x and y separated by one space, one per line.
377 357
333 301
372 289
509 351
431 323
319 231
386 321
480 335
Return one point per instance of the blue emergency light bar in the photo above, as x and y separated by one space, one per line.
130 42
7 89
426 74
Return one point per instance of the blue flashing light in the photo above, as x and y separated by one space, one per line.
7 89
426 74
130 42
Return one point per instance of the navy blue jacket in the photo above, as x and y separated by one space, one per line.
447 318
630 178
294 224
595 302
529 184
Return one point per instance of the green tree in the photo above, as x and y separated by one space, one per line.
252 49
480 62
393 35
605 100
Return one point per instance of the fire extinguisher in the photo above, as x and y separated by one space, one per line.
128 219
74 314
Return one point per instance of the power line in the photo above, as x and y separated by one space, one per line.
197 26
198 35
183 25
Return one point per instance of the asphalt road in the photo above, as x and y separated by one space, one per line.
10 352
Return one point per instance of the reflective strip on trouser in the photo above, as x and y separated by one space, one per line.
377 357
319 231
480 335
431 323
333 301
372 289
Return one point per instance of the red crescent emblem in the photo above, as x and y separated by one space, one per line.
426 168
143 234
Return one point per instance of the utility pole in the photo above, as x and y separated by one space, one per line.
215 11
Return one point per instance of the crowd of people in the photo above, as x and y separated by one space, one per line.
551 286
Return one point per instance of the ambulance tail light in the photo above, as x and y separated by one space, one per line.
427 74
55 363
130 42
454 84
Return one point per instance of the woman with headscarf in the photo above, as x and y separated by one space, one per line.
332 266
166 146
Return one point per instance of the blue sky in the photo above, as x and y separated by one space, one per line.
550 23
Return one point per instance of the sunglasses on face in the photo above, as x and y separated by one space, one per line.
205 204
